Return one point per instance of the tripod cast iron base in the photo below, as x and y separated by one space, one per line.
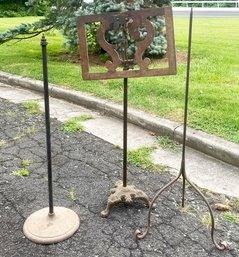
42 228
121 194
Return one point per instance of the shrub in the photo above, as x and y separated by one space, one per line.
62 14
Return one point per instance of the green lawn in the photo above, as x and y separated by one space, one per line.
214 88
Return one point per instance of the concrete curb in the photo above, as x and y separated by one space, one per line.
203 142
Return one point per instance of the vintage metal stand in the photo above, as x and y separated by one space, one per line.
122 192
128 23
182 172
50 225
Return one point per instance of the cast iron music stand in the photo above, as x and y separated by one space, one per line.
124 66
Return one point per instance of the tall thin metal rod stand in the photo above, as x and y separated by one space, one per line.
125 130
47 121
182 171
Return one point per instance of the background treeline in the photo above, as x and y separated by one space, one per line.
17 8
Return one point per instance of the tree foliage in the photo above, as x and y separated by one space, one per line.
12 8
61 15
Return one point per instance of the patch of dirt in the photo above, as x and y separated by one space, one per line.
96 59
181 57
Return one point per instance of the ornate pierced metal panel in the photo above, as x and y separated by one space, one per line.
126 55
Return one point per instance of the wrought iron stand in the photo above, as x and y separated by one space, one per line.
50 225
182 172
122 192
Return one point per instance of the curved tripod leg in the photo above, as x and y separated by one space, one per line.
219 245
105 213
138 233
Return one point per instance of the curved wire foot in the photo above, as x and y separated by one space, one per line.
220 246
141 235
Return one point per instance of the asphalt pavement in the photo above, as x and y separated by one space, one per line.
85 167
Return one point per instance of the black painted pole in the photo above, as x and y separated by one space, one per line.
47 121
186 105
125 130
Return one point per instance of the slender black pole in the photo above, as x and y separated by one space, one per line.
47 120
186 105
125 130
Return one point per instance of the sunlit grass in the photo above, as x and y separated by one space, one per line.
74 124
214 91
142 157
32 107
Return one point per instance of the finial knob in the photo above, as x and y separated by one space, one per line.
43 40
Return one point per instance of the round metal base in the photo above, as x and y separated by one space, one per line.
42 228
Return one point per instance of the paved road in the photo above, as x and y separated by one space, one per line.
207 12
89 166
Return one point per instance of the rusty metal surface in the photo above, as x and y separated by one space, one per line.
129 23
124 194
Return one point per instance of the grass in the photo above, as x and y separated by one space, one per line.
11 114
141 157
72 194
32 107
117 146
21 173
214 94
231 217
27 132
167 143
74 125
24 172
234 203
206 220
25 163
2 143
189 210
